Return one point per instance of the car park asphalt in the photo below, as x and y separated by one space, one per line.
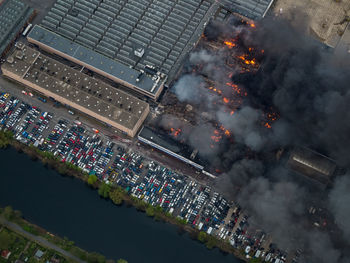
73 139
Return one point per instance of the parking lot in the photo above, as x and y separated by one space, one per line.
79 144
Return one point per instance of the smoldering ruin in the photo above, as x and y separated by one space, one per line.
249 96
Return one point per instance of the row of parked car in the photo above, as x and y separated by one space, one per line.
199 205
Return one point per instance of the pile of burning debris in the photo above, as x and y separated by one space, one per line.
215 93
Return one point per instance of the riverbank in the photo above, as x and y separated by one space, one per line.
15 242
118 196
13 221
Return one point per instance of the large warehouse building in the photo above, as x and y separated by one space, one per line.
14 15
118 72
253 9
163 142
312 164
75 89
151 38
147 36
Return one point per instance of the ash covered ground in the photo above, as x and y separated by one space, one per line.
266 87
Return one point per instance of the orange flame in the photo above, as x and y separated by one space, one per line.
175 132
247 61
226 100
267 125
229 44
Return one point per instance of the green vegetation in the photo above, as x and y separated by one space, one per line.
6 239
5 138
104 190
92 179
122 261
150 211
95 258
30 229
8 213
255 260
202 237
209 240
116 196
181 221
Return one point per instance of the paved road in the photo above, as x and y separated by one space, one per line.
40 240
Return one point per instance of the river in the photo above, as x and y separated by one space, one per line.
67 207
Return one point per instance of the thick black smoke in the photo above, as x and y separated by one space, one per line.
309 87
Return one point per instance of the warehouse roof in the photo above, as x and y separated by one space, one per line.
13 16
253 9
92 58
162 141
312 164
75 86
165 29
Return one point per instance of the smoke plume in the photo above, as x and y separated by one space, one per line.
308 86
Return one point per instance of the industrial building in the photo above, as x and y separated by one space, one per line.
147 36
163 142
150 86
312 164
75 89
14 15
252 9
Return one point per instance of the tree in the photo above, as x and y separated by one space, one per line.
211 243
150 211
96 258
8 212
122 261
78 252
5 138
92 179
116 196
104 190
5 239
202 236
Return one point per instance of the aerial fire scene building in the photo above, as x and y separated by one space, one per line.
148 40
311 164
75 89
140 45
253 9
14 15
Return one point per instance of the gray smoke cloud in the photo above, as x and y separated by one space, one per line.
275 207
246 126
339 199
188 88
309 87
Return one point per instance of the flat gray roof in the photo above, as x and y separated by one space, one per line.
253 9
166 29
13 16
92 58
77 87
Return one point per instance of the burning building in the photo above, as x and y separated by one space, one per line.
165 143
